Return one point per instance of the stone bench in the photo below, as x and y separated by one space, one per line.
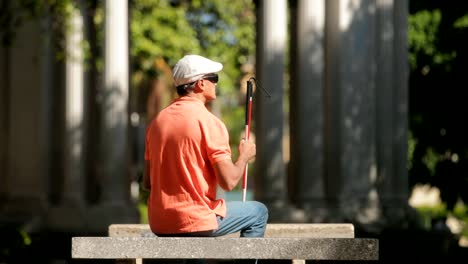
272 230
297 242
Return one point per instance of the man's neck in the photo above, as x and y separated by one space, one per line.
198 96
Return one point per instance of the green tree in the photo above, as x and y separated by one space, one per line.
159 29
438 37
213 28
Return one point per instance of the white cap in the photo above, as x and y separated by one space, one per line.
192 67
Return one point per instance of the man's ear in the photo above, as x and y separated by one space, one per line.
199 86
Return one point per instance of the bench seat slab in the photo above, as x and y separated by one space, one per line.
272 230
224 248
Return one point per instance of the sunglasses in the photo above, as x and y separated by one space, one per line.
212 78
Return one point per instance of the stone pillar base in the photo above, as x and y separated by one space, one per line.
28 212
91 219
285 213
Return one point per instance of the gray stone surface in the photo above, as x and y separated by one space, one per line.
225 248
273 230
307 108
269 177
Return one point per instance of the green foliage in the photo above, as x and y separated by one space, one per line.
430 159
223 32
438 37
411 147
423 39
461 23
143 210
210 28
158 29
430 214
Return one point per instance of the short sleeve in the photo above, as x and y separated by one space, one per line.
216 141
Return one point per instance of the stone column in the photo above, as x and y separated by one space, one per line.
307 108
366 110
401 88
25 184
113 159
353 182
270 175
113 97
392 107
74 114
332 107
70 212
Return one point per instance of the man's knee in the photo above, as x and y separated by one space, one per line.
260 212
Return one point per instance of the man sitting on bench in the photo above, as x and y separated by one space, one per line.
187 153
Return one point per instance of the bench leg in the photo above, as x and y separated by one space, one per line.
298 261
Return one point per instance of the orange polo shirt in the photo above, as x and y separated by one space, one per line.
183 142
